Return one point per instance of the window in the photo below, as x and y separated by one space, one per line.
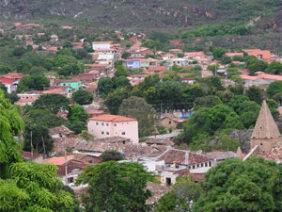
210 164
97 123
169 122
123 133
115 125
102 133
206 164
70 180
107 124
168 181
108 133
102 124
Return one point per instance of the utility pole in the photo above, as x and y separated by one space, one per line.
31 145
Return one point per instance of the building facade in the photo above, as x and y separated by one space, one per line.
105 126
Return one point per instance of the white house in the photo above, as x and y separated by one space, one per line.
101 45
106 125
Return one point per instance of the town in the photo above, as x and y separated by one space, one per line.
177 113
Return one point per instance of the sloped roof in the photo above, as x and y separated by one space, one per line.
265 128
59 161
183 157
112 118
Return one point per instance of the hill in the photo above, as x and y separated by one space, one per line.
145 13
204 19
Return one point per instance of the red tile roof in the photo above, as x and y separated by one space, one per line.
6 81
113 118
58 161
261 75
183 157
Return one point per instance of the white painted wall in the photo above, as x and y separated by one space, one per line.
102 129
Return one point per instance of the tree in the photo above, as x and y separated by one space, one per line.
206 101
33 82
213 68
138 108
4 68
105 86
209 120
77 118
218 52
274 88
274 68
82 97
181 197
37 124
26 186
52 102
255 94
125 55
115 98
112 155
254 65
115 186
235 185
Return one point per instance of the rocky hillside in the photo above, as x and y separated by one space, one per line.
147 13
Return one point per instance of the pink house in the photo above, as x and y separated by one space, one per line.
105 126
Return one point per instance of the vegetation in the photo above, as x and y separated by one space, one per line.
238 185
112 155
77 118
82 97
24 185
144 113
120 185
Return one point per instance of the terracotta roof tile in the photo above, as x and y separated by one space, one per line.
112 118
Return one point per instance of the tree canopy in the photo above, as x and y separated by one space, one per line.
235 185
138 108
26 186
115 186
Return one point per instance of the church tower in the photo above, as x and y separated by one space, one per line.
266 134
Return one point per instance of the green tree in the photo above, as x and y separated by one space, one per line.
206 101
33 82
235 185
26 186
4 68
116 186
105 86
218 52
255 94
112 155
77 118
82 97
254 65
274 68
115 98
52 102
213 68
181 197
274 88
138 108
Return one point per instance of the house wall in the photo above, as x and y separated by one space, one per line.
101 46
133 64
101 129
72 86
168 123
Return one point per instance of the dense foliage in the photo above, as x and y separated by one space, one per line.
25 186
235 185
116 186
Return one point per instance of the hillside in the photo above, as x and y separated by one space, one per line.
145 13
199 23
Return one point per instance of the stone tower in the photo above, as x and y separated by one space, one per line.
266 134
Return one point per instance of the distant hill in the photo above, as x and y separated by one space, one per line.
210 22
146 13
